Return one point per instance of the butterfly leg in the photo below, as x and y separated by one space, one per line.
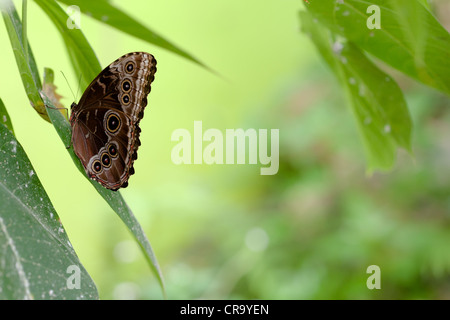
56 108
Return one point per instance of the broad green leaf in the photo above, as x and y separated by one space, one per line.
410 39
4 117
105 12
25 60
376 100
425 3
37 260
82 57
113 198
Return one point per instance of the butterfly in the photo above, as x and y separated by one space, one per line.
105 122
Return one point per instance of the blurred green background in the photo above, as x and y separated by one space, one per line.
225 231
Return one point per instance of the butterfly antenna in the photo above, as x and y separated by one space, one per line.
68 85
79 83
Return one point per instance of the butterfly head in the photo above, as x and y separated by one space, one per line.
72 113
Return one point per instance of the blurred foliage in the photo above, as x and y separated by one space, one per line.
403 34
311 231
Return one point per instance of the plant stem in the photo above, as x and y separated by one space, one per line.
24 30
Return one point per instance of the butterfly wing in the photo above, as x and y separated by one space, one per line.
105 123
102 139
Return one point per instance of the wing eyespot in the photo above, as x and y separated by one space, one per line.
126 99
113 123
106 160
96 167
129 67
126 85
113 150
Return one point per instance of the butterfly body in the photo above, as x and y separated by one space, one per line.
105 122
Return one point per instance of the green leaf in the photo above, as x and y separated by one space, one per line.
410 39
105 12
4 117
82 56
425 3
37 260
376 100
25 61
113 198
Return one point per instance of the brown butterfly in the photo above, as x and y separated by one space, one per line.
105 122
